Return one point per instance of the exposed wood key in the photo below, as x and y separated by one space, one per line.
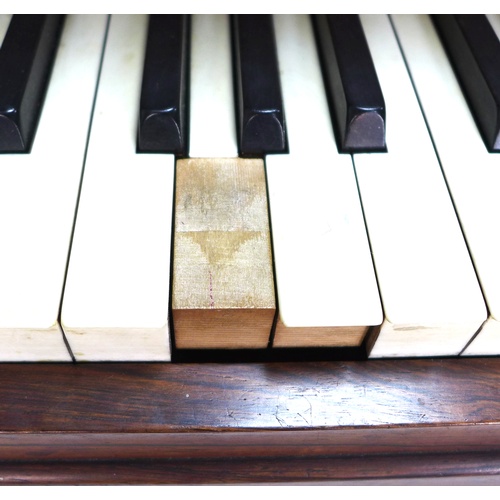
222 277
223 291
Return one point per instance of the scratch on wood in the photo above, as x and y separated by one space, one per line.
211 290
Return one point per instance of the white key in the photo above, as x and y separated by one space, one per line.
473 174
324 271
4 25
432 301
494 20
115 305
38 193
212 124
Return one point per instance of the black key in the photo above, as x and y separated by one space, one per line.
474 51
261 118
352 85
26 59
163 114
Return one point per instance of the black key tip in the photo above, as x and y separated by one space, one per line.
11 139
159 132
365 132
263 133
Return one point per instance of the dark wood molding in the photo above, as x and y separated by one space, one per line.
258 422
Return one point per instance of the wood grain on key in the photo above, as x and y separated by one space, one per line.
223 288
321 336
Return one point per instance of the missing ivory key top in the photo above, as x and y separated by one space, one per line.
223 288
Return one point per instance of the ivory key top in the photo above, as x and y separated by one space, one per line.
223 289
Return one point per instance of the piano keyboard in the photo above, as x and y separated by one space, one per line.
115 254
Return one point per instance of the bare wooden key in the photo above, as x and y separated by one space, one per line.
223 292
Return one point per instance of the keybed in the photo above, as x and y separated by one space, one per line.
367 250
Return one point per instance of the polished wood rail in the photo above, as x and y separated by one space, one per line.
205 423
